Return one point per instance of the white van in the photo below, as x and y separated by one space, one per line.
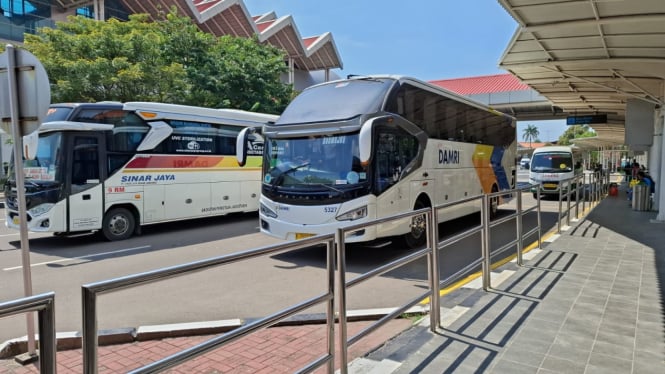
551 166
525 162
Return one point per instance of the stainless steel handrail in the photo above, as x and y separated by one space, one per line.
91 291
343 285
336 245
431 251
518 242
44 304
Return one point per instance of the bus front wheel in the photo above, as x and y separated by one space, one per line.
417 237
118 224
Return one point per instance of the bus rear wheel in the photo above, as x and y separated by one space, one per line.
118 224
417 237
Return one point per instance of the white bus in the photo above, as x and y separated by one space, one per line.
113 167
552 166
354 150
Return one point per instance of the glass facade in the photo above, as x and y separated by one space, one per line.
18 17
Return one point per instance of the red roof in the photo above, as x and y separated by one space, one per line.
482 84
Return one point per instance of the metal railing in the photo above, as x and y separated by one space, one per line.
431 251
44 304
517 215
91 291
336 274
585 187
343 284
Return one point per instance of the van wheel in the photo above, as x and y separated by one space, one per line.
417 237
118 224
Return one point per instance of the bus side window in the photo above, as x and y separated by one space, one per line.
395 150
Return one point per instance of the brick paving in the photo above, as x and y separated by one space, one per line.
274 350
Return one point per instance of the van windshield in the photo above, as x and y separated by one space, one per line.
552 162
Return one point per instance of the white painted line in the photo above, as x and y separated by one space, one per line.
497 279
552 238
3 235
531 254
448 316
79 258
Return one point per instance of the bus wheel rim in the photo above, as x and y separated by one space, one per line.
118 225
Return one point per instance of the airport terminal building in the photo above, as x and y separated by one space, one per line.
310 59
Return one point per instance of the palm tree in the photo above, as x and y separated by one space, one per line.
530 133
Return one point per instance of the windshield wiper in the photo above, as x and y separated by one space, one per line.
282 173
327 186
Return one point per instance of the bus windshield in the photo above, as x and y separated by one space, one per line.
45 167
336 101
552 162
314 162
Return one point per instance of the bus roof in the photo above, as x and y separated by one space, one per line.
424 85
184 112
72 126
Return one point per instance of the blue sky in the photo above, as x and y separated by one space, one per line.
426 39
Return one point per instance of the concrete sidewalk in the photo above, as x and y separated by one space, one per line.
590 301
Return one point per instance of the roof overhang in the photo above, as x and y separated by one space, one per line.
590 56
231 17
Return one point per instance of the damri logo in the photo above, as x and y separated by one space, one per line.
449 156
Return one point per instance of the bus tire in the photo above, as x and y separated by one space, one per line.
118 224
417 237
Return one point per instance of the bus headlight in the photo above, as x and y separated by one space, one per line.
267 211
353 215
40 209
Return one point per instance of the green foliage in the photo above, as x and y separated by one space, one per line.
530 133
169 60
573 132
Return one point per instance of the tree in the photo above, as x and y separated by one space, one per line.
169 60
574 132
530 133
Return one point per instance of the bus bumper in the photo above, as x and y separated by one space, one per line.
292 231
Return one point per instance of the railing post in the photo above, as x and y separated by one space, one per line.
540 230
485 247
569 185
330 307
341 296
433 258
577 197
89 333
559 216
47 344
519 229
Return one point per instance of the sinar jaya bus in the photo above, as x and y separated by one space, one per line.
113 167
353 150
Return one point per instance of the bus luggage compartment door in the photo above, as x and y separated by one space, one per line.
85 209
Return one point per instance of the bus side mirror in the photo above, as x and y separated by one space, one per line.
365 142
241 145
30 143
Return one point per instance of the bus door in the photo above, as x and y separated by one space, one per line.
86 203
395 149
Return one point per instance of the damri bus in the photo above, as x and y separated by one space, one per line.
113 167
354 150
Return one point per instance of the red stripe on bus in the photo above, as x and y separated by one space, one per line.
177 162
